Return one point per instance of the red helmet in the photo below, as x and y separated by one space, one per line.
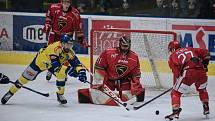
173 45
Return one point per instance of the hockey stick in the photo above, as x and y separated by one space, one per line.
136 108
5 80
113 96
107 91
40 93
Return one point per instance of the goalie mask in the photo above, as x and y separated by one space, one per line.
173 45
124 44
67 42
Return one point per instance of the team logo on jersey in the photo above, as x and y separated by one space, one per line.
61 23
121 69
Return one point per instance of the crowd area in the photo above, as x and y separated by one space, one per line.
155 8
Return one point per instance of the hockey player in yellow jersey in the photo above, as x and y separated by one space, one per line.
59 59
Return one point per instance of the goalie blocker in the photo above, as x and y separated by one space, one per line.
119 69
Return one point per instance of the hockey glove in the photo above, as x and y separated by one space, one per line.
4 79
205 64
140 97
82 75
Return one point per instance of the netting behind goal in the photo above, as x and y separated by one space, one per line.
151 47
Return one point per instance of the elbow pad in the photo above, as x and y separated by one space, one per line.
74 62
55 64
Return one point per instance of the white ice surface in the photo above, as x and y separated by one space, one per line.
28 106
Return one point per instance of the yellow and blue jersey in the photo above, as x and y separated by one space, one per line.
43 59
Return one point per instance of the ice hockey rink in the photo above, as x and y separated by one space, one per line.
28 106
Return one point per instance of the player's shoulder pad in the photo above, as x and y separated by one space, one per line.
75 10
57 47
173 54
133 53
111 49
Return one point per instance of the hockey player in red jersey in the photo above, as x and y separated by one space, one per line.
119 69
189 66
62 18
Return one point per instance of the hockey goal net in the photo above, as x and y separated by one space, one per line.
151 47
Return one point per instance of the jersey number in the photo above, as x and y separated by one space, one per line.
185 55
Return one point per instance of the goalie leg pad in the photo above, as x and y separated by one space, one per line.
95 96
99 97
84 96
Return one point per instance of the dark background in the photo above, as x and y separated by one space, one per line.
204 9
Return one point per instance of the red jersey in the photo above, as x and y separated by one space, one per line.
187 58
60 22
118 65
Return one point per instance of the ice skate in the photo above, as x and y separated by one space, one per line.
174 115
61 99
206 109
6 97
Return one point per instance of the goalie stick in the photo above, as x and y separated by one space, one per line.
113 96
107 91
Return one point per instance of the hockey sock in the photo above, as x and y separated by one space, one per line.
203 95
176 99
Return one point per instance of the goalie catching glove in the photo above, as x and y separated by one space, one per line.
4 79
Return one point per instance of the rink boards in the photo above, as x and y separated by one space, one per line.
24 58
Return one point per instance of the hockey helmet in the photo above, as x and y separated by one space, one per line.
173 45
124 42
66 39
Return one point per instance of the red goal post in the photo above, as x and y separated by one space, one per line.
150 45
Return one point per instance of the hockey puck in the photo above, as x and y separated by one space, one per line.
157 112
